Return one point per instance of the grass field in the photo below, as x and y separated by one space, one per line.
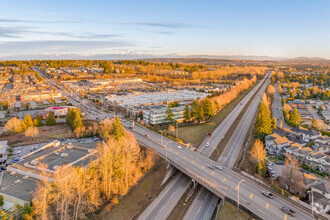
132 204
195 134
229 211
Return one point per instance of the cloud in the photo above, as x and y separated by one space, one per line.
86 35
40 21
53 46
13 32
167 25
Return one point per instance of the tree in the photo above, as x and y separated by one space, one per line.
4 105
50 120
320 109
287 108
274 123
194 112
271 90
28 121
187 113
73 118
217 106
291 96
315 90
200 114
38 121
14 125
117 129
295 117
258 153
32 132
169 116
207 107
304 92
292 176
264 121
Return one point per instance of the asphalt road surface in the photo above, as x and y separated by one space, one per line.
228 158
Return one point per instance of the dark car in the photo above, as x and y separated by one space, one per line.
4 168
288 211
279 162
267 194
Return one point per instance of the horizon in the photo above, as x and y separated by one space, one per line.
277 30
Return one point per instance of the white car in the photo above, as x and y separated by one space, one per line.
207 144
218 167
179 146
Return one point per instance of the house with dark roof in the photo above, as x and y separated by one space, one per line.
304 134
320 193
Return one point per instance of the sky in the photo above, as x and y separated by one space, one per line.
289 28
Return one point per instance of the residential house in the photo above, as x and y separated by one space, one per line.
275 144
320 193
304 134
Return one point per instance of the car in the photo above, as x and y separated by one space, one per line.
211 167
302 170
17 152
272 171
288 211
269 163
218 167
179 147
147 135
4 168
267 194
241 103
207 144
130 127
16 159
269 168
279 162
273 176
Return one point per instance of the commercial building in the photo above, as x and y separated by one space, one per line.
154 98
157 115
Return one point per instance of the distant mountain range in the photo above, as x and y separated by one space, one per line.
131 56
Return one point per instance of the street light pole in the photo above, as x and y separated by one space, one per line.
238 193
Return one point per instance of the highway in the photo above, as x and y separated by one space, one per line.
178 190
224 182
228 159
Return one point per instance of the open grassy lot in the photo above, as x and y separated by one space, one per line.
139 197
46 133
195 134
229 211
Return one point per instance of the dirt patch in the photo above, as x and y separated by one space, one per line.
139 197
46 133
229 211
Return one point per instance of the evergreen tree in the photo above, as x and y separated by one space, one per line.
73 118
187 113
305 92
38 121
207 107
295 117
194 112
264 121
169 115
117 129
50 120
28 121
274 123
200 114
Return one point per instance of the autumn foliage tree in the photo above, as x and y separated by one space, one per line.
258 153
263 125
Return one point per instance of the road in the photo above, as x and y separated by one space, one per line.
224 182
228 159
221 183
214 141
277 111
